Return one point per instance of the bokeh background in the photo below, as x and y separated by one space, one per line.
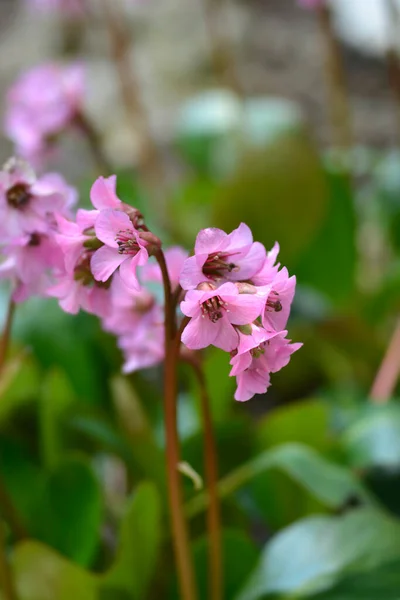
237 99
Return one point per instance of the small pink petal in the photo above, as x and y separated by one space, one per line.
104 262
103 193
109 223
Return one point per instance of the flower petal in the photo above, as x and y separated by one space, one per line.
109 223
128 275
210 240
102 194
104 262
244 308
192 271
200 333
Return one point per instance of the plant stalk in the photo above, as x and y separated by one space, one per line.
211 469
389 371
180 536
6 576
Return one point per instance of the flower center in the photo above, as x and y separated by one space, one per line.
35 240
127 243
213 308
276 304
257 352
18 196
218 264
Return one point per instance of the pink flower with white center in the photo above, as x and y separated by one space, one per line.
253 370
279 297
175 258
123 248
221 257
214 314
30 262
42 103
144 346
28 204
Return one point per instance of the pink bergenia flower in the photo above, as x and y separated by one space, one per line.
144 346
269 269
28 204
29 264
252 365
175 258
123 248
128 307
41 104
214 313
223 257
279 297
74 293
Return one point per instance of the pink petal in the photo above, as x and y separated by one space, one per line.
250 263
190 306
104 262
200 333
210 240
102 194
228 337
192 271
244 309
240 237
127 272
109 223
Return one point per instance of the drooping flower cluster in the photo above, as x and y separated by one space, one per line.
237 299
233 294
41 104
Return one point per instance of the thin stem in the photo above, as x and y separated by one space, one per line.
150 162
6 577
92 136
222 52
11 514
180 535
389 371
211 470
337 93
5 338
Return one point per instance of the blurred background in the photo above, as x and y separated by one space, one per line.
259 111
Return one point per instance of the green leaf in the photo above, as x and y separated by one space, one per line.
139 544
56 397
69 513
315 553
329 483
280 192
42 574
374 440
19 385
382 583
329 262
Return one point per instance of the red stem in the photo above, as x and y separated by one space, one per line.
388 373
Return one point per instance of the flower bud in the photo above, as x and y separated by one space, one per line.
246 288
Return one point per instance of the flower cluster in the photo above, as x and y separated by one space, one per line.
237 299
233 294
41 104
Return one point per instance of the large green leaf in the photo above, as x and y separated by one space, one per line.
329 483
315 553
42 574
139 544
69 512
374 440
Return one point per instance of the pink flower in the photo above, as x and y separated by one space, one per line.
75 293
123 248
144 346
279 297
214 313
253 364
30 262
27 204
175 258
223 257
269 269
127 307
41 104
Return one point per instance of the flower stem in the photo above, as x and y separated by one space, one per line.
10 514
211 469
6 578
5 338
338 94
92 136
180 536
389 371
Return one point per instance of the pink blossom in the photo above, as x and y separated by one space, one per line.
127 307
214 313
279 297
123 248
28 204
41 104
144 346
74 293
175 258
223 257
269 269
252 365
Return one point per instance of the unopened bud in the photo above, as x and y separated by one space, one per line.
206 286
246 288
